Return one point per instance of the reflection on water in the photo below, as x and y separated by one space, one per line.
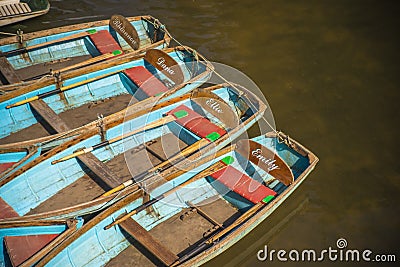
329 70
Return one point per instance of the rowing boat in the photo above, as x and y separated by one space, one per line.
129 76
200 128
133 79
31 56
12 11
203 211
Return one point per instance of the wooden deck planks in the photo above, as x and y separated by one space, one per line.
14 9
8 71
147 240
50 117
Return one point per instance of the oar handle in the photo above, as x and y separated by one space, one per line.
117 188
73 155
22 102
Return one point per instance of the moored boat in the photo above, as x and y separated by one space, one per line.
129 76
199 126
202 213
12 11
31 56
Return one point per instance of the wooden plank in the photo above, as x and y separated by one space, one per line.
93 163
8 71
53 120
152 245
25 7
100 170
18 7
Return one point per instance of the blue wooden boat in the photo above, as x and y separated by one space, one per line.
13 11
29 56
126 76
206 129
204 210
130 77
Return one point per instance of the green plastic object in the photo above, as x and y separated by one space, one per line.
228 160
213 136
180 114
267 199
117 52
92 31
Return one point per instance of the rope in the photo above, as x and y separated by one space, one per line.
8 33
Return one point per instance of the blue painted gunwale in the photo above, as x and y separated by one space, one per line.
107 244
43 180
77 47
17 118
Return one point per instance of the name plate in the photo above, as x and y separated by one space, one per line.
166 64
216 106
125 29
266 159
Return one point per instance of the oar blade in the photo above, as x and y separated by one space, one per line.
125 29
166 64
266 159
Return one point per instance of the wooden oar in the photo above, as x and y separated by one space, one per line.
187 151
154 124
66 38
210 170
62 89
91 61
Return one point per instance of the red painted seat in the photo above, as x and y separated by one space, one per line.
21 248
6 211
146 81
5 166
242 184
196 123
104 42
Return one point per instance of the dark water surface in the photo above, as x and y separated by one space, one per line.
330 71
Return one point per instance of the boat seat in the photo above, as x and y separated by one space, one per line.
21 248
14 9
6 166
147 83
197 124
104 42
6 211
243 185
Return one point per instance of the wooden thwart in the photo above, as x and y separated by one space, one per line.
93 163
145 239
8 71
53 120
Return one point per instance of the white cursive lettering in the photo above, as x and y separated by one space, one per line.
161 63
212 103
269 162
119 25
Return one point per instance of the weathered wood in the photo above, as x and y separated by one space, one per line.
49 116
152 245
41 69
100 170
93 163
8 71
